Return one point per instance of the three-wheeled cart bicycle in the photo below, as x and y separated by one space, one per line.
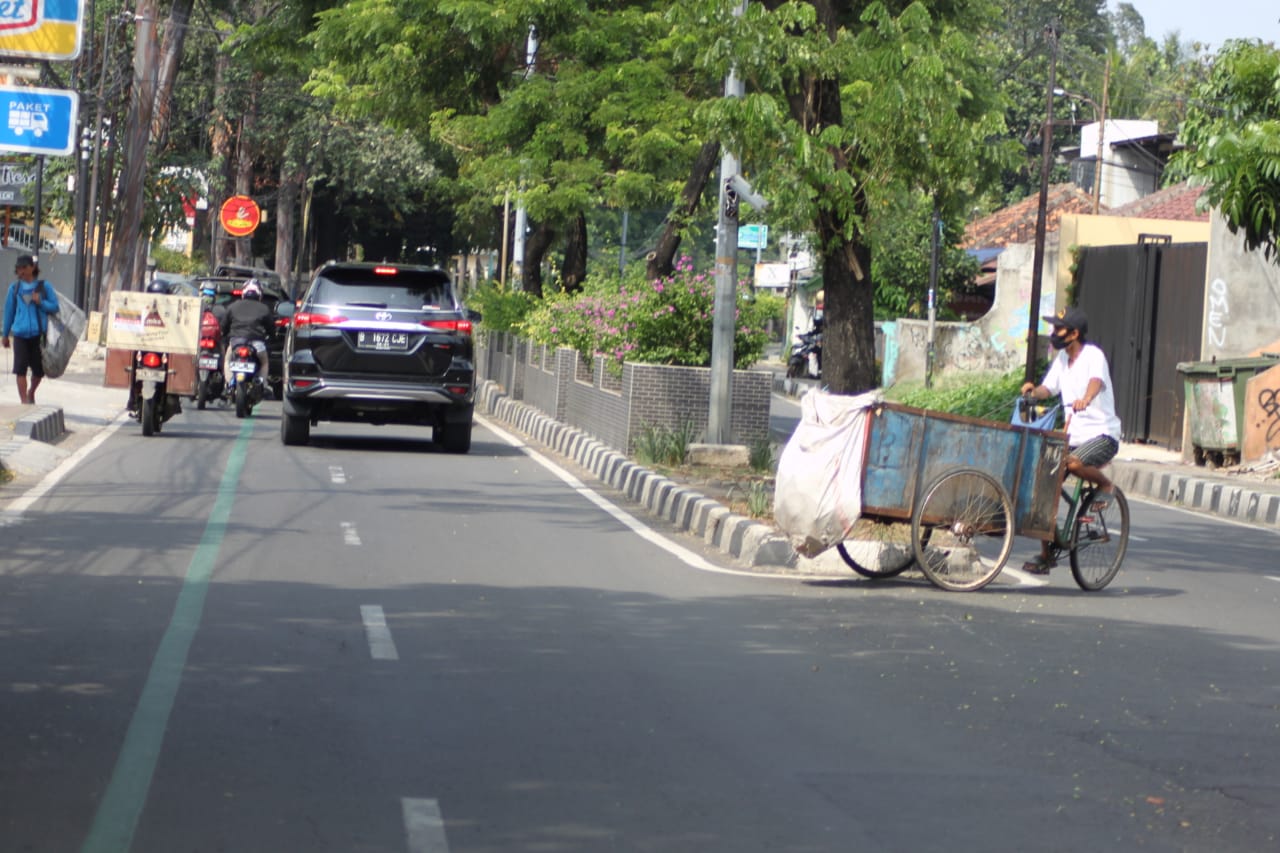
961 488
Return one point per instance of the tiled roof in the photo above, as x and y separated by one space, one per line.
1176 202
1017 222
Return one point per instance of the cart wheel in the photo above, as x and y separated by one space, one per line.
878 550
963 530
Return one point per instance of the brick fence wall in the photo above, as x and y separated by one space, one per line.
614 408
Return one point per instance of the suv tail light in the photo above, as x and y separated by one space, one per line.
307 318
462 327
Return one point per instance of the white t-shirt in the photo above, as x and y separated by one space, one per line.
1072 382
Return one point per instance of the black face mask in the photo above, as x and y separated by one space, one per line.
1058 341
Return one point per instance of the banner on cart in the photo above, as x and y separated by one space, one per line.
153 321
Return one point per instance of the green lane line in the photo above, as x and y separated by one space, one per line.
117 817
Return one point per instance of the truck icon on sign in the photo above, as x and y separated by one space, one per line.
20 121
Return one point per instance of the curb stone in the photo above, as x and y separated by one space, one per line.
753 543
45 424
749 542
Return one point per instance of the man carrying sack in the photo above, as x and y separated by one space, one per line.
27 307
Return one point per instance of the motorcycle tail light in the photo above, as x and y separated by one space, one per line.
244 352
208 343
151 359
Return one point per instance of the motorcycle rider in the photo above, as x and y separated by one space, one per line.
248 321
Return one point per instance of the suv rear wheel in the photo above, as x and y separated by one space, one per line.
294 429
454 438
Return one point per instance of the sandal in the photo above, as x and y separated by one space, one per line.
1039 566
1101 502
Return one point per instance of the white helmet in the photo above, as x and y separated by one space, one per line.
251 289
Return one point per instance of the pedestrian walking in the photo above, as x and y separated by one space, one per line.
27 306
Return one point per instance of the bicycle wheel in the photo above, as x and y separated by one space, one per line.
1099 539
878 550
963 530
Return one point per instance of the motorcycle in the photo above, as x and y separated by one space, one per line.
244 385
209 379
149 399
806 356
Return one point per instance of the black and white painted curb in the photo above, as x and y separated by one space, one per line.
749 542
753 543
1246 501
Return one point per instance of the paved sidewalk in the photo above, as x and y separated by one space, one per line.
68 412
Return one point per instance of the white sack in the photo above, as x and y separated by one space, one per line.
62 332
817 494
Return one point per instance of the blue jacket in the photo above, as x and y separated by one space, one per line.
24 318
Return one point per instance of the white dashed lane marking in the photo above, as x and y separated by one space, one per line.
424 826
381 646
350 536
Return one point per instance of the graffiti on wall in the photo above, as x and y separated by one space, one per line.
1270 405
1219 314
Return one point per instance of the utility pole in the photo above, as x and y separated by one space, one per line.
931 352
1046 163
719 429
1102 135
522 221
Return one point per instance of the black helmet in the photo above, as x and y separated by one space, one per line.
158 287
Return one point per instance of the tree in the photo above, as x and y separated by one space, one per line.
821 130
1233 136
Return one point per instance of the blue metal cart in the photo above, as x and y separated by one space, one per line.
965 486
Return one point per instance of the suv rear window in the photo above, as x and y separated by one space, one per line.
405 289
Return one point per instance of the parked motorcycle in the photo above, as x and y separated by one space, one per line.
149 399
806 356
244 383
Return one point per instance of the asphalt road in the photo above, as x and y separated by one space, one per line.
215 643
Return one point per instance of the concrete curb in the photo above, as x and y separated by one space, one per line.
753 543
749 542
44 423
1245 501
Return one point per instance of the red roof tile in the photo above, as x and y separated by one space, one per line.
1177 202
1017 222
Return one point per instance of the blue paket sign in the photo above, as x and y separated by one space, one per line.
37 121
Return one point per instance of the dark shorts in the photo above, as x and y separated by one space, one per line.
26 356
1096 452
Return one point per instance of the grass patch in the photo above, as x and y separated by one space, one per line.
663 446
988 396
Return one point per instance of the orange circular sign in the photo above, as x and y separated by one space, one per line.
240 216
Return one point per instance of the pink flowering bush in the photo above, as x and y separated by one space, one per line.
665 321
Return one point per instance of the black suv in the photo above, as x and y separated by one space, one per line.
380 344
227 290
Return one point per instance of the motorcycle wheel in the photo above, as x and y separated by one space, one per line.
242 400
148 416
794 369
202 392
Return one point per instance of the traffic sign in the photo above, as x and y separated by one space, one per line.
50 29
37 121
753 236
240 216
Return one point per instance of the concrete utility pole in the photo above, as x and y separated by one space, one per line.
1046 163
732 186
522 222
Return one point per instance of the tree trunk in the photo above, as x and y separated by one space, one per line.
120 272
848 340
220 149
286 225
535 249
171 49
663 261
574 271
246 151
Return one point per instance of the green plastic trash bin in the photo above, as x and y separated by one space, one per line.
1215 393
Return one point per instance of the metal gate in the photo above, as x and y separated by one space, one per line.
1146 308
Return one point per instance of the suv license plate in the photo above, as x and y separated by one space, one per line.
383 341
